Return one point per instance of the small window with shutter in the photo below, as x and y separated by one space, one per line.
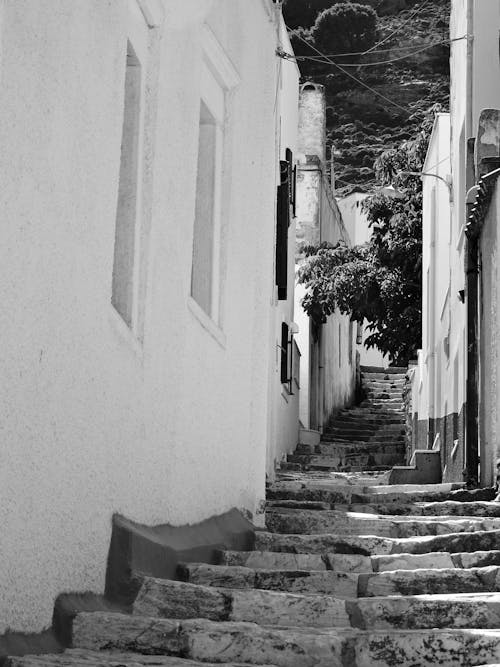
285 374
285 203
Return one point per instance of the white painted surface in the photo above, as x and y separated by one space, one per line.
172 428
328 363
284 424
356 222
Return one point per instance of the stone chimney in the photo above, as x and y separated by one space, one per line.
312 120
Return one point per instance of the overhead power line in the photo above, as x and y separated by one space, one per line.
347 73
380 62
394 32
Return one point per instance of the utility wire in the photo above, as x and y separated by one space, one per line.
347 73
394 32
380 62
325 59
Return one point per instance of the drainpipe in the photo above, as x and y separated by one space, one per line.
471 468
472 401
478 200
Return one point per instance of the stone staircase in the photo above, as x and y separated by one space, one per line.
370 436
349 572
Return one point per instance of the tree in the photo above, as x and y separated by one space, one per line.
380 281
345 27
303 13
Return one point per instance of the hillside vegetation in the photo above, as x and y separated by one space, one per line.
361 124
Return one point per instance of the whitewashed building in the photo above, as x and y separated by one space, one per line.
455 382
139 166
328 352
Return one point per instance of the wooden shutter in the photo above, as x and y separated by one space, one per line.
282 223
284 353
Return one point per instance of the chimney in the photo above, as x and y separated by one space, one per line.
312 120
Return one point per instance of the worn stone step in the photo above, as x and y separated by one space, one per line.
352 562
270 560
332 462
333 492
177 600
343 448
309 522
174 599
90 658
370 545
365 418
342 585
226 642
445 508
429 581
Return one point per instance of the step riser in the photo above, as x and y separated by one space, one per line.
246 642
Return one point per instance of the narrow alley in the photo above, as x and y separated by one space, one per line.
250 361
349 572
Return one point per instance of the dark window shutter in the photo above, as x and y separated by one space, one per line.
282 222
284 353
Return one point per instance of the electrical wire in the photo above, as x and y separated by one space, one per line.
394 32
379 62
362 83
325 59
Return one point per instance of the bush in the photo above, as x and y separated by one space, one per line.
346 27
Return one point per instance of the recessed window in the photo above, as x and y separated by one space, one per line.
205 274
202 277
122 296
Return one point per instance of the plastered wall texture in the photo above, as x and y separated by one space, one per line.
284 426
173 430
329 367
489 344
438 380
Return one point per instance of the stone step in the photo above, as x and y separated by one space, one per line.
89 658
344 585
343 448
445 508
366 376
334 492
174 599
229 642
352 562
177 600
361 459
370 545
310 522
362 439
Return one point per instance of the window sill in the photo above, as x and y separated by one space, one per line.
207 323
124 332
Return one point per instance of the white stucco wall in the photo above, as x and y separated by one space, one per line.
284 427
93 422
356 223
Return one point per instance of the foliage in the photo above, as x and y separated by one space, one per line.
303 13
380 281
344 28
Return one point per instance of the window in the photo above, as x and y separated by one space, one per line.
285 356
285 200
205 238
122 294
128 284
218 76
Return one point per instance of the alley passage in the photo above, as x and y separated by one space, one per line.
349 572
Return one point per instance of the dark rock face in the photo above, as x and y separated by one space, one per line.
360 123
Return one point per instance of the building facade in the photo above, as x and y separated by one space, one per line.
356 222
454 385
328 352
140 160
